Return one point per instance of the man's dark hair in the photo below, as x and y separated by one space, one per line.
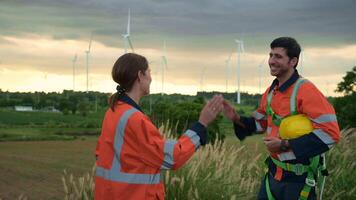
289 44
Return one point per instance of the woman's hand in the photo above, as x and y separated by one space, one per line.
211 110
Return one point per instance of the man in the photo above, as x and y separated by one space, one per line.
278 102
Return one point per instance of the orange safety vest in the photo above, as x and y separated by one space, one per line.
131 153
309 101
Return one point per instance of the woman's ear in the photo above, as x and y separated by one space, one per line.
139 75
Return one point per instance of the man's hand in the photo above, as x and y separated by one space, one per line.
273 144
230 112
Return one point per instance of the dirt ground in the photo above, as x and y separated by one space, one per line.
34 169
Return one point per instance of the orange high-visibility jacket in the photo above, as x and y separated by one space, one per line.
310 102
131 153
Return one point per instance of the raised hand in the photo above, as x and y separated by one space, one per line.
211 110
229 112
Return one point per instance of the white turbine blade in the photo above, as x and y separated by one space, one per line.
164 48
262 62
130 43
229 58
240 43
303 58
202 78
164 59
75 58
242 47
203 71
128 23
91 38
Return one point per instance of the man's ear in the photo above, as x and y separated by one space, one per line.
294 61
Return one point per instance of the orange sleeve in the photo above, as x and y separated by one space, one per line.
162 153
313 104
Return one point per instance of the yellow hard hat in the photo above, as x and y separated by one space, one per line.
295 126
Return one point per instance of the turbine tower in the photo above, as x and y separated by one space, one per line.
301 57
126 36
163 65
240 49
260 75
73 64
202 78
87 56
227 71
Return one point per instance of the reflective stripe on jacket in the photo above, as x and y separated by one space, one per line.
131 153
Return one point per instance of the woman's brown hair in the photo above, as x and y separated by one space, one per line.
125 72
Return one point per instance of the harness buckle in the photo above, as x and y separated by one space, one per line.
310 182
298 169
324 172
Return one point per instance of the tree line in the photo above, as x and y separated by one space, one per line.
180 110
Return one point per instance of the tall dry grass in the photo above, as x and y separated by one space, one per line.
222 171
217 171
78 188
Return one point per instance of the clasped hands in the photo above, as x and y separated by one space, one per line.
213 107
218 104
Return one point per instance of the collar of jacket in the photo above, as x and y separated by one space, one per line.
285 85
128 100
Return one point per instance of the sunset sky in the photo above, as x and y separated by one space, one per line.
39 38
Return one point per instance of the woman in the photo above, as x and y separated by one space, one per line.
131 152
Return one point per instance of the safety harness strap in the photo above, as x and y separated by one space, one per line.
268 189
310 181
298 169
276 119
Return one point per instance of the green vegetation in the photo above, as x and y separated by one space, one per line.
38 126
224 169
345 106
233 170
81 114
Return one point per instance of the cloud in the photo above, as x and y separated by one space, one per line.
64 19
44 35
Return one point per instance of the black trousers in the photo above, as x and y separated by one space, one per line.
283 190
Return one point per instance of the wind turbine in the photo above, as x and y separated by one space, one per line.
327 88
154 73
227 70
73 64
260 74
87 54
202 78
126 36
240 49
164 65
301 57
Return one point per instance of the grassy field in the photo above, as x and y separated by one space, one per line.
233 170
11 118
39 126
35 168
229 170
